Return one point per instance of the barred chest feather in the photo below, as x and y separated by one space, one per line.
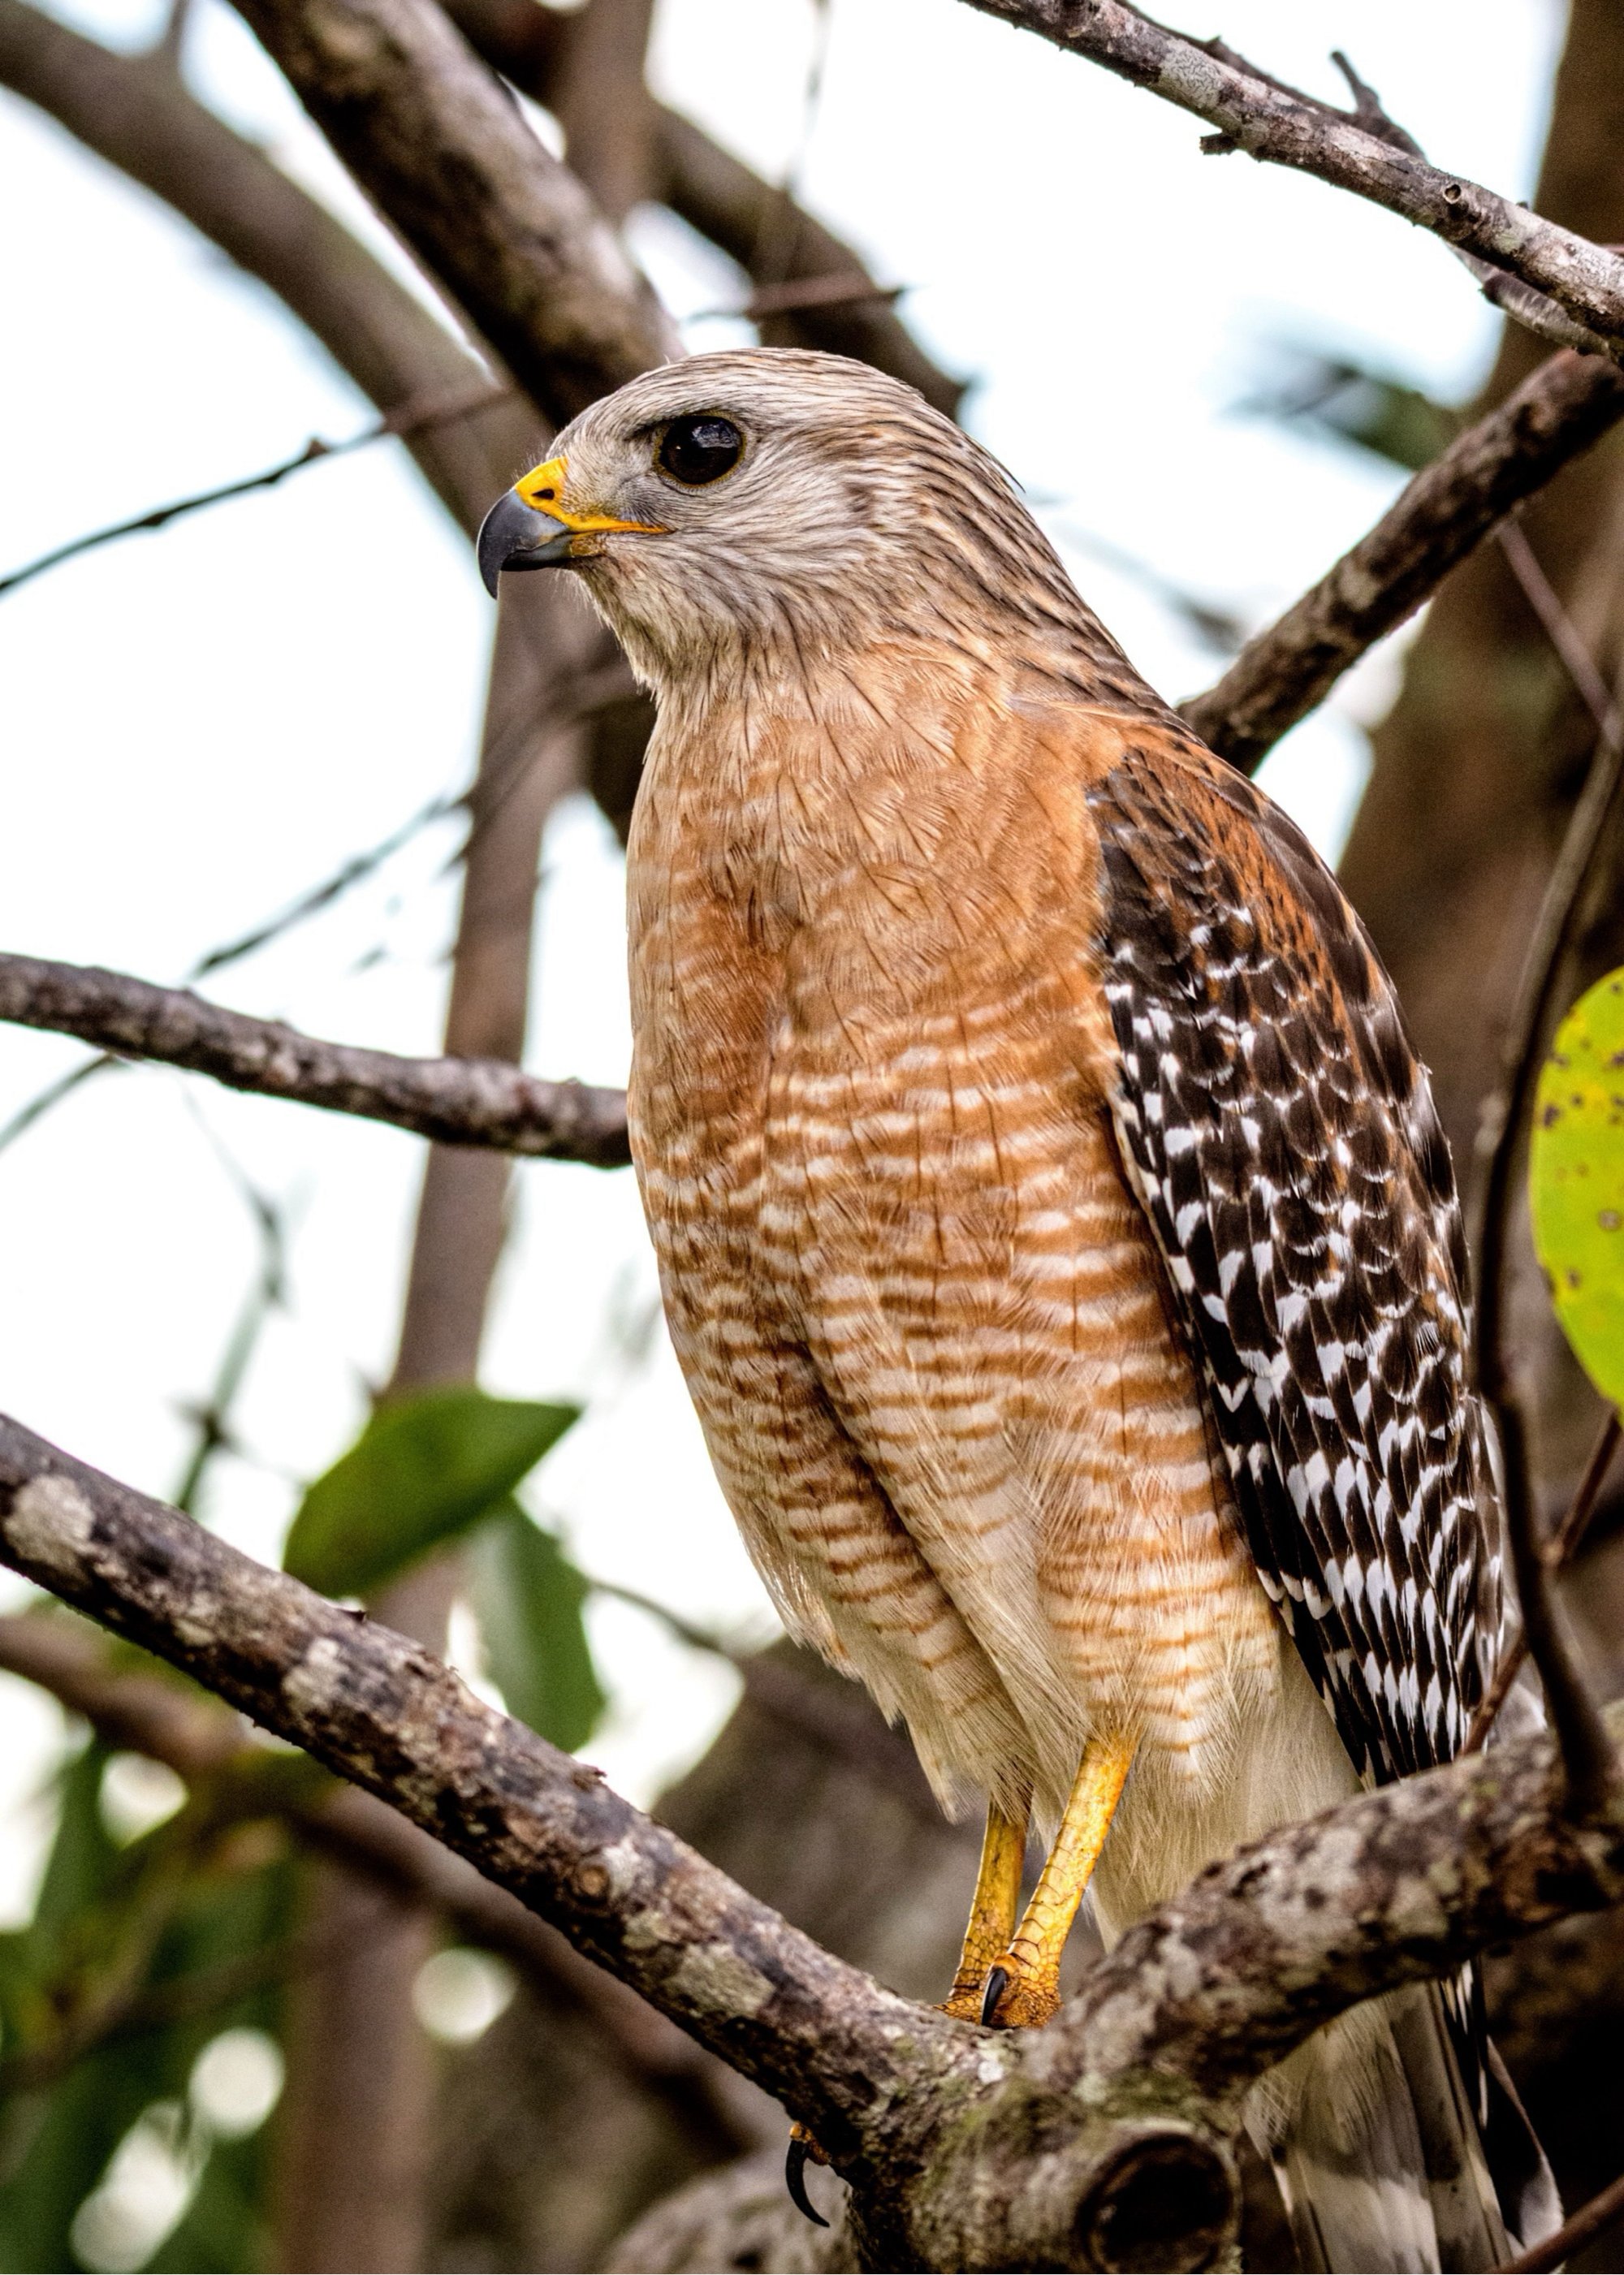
921 1312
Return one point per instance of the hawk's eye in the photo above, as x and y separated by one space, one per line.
700 449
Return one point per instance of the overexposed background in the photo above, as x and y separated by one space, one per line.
198 726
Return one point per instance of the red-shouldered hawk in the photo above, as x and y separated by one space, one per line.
1055 1227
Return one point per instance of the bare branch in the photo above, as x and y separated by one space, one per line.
133 111
1588 1762
409 418
448 160
720 197
1590 2222
1278 124
456 1101
381 1713
1436 520
1136 2082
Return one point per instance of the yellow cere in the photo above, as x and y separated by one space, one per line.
1576 1181
542 489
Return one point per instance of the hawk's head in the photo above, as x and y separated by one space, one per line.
767 501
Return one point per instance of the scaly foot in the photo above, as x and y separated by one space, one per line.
1017 1996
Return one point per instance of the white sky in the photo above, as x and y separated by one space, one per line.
195 727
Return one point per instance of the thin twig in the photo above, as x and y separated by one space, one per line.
409 418
1587 1756
353 872
35 1108
1439 518
456 1101
211 1417
1586 2225
1562 1546
1543 277
1558 627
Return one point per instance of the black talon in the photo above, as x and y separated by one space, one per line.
997 1984
795 2180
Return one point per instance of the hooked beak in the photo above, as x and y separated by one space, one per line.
513 535
528 528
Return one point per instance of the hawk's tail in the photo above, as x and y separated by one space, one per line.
1380 2157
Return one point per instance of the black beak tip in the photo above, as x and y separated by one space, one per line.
513 535
494 542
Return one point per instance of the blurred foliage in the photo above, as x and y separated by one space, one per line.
141 1955
1345 401
424 1470
1577 1180
135 1959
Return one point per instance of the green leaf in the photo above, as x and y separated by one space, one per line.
58 2136
527 1596
1576 1181
423 1470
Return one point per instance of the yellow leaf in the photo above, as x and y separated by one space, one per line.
1576 1181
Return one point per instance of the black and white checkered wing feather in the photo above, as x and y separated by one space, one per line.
1280 1135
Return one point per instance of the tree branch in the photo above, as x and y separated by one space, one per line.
1436 520
409 418
134 112
1279 125
455 1101
720 197
964 2148
382 1713
447 159
1588 1767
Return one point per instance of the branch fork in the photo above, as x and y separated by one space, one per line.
1063 2147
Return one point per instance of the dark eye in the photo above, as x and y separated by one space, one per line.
699 450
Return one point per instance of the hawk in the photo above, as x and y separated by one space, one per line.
1055 1228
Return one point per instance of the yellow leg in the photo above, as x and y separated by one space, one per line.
1029 1990
992 1913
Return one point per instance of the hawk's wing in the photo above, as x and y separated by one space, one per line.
1280 1134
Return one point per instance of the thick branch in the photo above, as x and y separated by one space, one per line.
447 159
965 2149
456 1101
720 197
1439 518
384 1714
1276 124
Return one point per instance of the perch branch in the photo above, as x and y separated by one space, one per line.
1436 520
1590 2220
381 1712
1359 150
455 1101
1139 2078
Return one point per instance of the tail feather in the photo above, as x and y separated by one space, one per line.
1374 2147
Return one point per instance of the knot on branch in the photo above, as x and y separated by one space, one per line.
1168 2199
1038 2178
